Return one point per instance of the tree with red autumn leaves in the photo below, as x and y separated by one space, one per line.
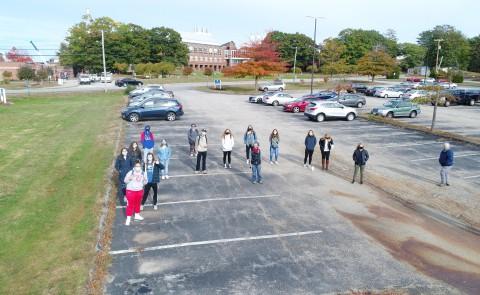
264 61
15 55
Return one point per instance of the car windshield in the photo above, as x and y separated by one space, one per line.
390 104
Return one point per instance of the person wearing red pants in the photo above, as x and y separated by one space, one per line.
135 181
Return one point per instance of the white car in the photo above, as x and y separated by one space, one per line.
146 88
321 110
279 98
412 94
108 79
84 79
388 93
275 86
447 85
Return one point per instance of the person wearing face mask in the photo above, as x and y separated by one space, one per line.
135 152
123 164
164 153
360 157
135 181
326 146
148 141
310 143
192 138
249 139
201 146
274 146
446 162
152 168
256 164
227 146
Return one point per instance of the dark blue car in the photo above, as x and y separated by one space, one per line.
153 108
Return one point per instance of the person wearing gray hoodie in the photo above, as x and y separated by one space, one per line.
192 137
201 146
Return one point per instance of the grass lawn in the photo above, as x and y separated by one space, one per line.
55 152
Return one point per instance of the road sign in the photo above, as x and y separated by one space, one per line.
218 83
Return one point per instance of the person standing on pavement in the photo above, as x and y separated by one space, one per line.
152 168
192 138
164 152
135 181
148 142
123 164
326 146
227 146
201 146
256 163
310 143
446 163
360 157
135 152
274 146
249 139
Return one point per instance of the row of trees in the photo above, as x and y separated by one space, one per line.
125 44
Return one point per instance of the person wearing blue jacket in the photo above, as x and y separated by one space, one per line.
446 163
310 143
249 138
164 152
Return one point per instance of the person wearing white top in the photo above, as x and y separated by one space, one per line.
326 145
227 146
135 181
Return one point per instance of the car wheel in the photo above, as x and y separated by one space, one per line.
385 96
259 100
360 104
471 102
275 103
350 116
447 103
320 117
141 83
265 89
280 89
171 116
413 114
389 115
133 117
296 109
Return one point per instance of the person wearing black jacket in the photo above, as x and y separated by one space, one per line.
326 145
123 164
152 167
256 164
310 143
360 157
135 152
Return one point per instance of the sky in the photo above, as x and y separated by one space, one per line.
46 22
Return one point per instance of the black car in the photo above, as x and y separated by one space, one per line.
321 95
357 88
128 81
459 96
153 108
370 91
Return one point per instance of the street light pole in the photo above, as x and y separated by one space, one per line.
104 64
314 50
294 65
437 87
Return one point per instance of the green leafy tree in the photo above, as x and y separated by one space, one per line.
165 68
474 64
358 42
455 48
26 73
331 57
120 67
414 55
286 44
166 45
375 63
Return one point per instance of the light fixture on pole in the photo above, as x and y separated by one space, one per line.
294 65
437 88
314 49
104 64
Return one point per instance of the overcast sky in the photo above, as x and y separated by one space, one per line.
46 22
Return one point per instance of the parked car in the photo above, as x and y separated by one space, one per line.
277 85
299 104
352 100
458 96
153 108
106 79
388 93
371 90
357 88
144 89
397 108
258 98
84 79
322 95
412 94
321 110
447 85
278 98
153 93
414 79
94 78
128 81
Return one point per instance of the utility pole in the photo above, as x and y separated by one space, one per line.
294 65
104 65
437 87
314 49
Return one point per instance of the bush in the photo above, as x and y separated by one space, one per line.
128 89
395 74
187 71
208 72
297 71
457 77
26 73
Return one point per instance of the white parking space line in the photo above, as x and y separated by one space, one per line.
212 242
210 144
386 134
210 174
408 144
208 200
455 156
474 176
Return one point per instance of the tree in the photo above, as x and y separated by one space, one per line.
41 75
375 63
121 67
455 48
187 71
26 73
15 55
474 64
331 57
208 72
166 45
358 42
413 55
286 44
7 76
164 68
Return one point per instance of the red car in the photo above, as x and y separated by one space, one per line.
298 105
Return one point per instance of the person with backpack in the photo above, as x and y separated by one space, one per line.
135 152
148 141
310 143
274 146
360 158
446 163
256 164
164 153
123 164
249 139
201 147
227 146
152 168
135 181
192 138
326 145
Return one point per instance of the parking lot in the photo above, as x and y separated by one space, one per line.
296 233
